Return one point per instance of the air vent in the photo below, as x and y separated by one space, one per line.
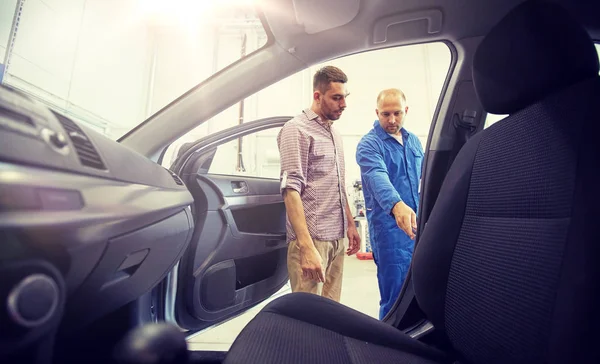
85 149
16 117
175 177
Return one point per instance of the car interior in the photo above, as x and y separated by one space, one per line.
107 256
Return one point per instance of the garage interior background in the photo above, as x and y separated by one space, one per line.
113 63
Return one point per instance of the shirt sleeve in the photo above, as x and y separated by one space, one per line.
375 175
293 146
420 146
342 163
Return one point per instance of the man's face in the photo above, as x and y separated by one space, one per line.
333 102
391 112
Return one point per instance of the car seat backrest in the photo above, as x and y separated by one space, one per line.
506 266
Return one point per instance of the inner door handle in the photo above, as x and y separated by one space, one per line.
239 187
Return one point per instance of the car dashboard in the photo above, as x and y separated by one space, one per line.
86 224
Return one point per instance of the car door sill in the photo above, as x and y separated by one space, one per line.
421 330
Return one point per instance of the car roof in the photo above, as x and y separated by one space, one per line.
290 20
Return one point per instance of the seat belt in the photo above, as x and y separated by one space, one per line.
465 126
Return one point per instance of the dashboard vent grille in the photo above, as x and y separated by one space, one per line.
85 149
16 117
175 177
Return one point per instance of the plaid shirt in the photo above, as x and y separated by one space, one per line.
312 163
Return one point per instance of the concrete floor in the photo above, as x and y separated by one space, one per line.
359 291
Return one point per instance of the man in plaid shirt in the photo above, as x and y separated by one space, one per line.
313 187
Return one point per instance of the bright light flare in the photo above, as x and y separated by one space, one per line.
186 13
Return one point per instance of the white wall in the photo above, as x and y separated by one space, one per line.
112 64
181 63
44 53
108 54
7 10
89 58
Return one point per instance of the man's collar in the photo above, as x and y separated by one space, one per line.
383 135
311 115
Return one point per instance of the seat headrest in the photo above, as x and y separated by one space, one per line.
535 50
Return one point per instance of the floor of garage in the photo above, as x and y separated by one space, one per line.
359 291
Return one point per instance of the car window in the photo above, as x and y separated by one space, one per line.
491 119
259 156
111 64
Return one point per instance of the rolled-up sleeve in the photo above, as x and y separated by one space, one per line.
293 146
375 175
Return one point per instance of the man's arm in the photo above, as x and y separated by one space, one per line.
293 147
353 236
295 211
310 258
376 177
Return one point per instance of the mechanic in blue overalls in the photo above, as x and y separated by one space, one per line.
390 159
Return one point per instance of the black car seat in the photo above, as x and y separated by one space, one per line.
507 266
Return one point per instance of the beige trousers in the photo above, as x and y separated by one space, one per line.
332 257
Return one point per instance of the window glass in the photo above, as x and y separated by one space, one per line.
259 156
113 63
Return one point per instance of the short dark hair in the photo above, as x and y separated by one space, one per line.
324 76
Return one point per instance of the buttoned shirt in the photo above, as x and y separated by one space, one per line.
312 163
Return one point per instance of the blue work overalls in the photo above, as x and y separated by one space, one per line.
390 172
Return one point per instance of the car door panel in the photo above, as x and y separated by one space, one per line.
238 254
240 249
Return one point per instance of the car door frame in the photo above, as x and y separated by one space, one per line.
456 96
193 162
405 313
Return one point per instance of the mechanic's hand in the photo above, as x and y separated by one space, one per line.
353 240
405 218
310 261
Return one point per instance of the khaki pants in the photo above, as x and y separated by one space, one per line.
332 256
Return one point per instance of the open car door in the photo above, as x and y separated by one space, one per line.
237 256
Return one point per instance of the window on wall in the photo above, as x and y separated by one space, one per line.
113 63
